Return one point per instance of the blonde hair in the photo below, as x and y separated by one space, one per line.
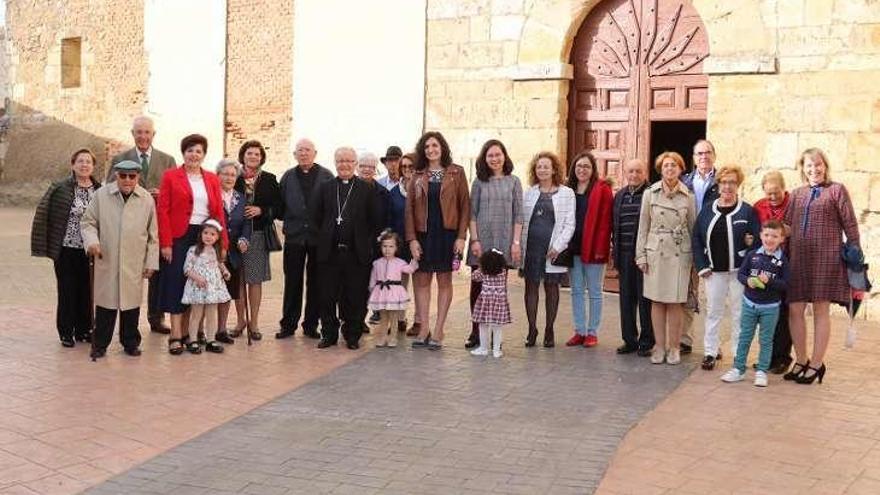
558 172
730 170
814 153
773 176
658 163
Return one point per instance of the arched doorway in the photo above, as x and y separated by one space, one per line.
638 85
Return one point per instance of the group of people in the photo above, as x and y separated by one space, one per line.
353 242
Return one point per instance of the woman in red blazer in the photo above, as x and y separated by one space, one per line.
590 246
188 196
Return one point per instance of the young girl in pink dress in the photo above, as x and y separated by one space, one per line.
387 294
491 310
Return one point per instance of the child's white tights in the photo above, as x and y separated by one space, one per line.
489 331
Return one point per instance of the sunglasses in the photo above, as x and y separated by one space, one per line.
123 175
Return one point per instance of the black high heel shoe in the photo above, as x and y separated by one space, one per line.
797 370
806 379
531 337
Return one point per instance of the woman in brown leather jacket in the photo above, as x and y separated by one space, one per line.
437 219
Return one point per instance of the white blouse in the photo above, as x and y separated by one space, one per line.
200 199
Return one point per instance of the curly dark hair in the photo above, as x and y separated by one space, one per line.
492 262
483 172
572 178
445 155
253 143
390 235
192 140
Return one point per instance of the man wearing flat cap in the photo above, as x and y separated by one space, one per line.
120 233
153 163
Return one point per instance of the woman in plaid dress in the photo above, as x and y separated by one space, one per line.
491 309
819 214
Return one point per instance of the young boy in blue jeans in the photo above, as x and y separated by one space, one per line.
764 272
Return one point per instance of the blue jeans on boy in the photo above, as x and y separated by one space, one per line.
586 277
752 316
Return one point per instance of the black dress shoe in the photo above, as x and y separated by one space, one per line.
97 353
67 342
352 345
84 338
133 351
780 367
708 363
685 349
311 333
224 337
160 328
323 344
625 349
285 333
643 353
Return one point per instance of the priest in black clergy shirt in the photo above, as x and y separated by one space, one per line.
346 213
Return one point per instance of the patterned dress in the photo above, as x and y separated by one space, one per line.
819 217
492 306
496 206
82 196
208 266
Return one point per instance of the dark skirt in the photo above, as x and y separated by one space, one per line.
171 277
437 243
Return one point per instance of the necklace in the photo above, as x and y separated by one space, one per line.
340 209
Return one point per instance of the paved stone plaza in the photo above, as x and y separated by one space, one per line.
285 418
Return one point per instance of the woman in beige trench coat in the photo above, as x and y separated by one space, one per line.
663 253
119 229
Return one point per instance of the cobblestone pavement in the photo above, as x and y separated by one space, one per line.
405 421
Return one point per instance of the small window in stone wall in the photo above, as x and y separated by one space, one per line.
71 62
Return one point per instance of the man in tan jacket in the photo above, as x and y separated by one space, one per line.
120 232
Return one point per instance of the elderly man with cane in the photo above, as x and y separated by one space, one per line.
119 231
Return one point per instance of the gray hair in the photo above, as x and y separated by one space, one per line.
228 162
144 119
368 157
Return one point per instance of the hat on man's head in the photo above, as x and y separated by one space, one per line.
128 165
393 152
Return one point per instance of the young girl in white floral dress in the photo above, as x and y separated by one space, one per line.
205 287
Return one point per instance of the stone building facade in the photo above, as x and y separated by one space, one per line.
781 76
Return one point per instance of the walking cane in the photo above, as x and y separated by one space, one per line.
92 305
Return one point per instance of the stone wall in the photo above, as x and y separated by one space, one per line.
259 68
784 75
50 122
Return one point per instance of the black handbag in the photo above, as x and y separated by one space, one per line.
273 242
564 258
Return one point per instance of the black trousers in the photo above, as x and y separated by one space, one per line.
344 283
73 315
300 259
105 321
154 315
632 298
781 338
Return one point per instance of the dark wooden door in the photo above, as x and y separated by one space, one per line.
635 62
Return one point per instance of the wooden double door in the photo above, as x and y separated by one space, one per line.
637 64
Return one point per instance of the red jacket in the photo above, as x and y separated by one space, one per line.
766 212
596 238
175 205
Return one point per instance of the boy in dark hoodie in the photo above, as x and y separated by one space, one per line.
764 272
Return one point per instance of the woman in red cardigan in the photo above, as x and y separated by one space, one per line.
590 246
188 196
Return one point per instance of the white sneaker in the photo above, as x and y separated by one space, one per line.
479 351
760 378
673 357
733 375
658 356
497 353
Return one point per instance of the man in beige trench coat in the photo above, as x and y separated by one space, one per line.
119 230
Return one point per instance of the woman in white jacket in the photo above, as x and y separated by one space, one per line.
548 224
